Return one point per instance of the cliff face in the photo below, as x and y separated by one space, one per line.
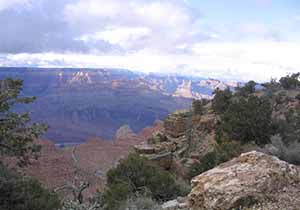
183 141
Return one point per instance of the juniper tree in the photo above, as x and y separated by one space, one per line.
16 132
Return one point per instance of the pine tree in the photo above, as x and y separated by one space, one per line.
16 132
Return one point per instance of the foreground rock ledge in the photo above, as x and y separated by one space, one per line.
252 177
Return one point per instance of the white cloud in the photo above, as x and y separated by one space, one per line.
135 24
126 37
133 12
6 4
85 10
232 61
145 35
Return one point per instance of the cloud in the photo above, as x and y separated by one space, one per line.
230 61
96 26
258 31
4 4
38 26
146 35
114 27
126 37
159 25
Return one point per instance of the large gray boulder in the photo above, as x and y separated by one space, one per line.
253 177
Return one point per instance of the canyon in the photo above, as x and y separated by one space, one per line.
79 104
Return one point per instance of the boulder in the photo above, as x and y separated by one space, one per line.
252 177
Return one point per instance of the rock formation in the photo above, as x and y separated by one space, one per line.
253 177
184 139
125 132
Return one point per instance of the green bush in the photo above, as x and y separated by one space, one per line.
222 153
288 126
207 162
288 152
222 100
137 175
22 193
248 119
272 86
280 98
247 89
290 81
198 106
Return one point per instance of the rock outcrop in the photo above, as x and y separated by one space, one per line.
169 142
253 177
125 132
176 123
184 139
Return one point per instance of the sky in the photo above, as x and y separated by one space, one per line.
224 39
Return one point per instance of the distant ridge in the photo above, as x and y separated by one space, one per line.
82 103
